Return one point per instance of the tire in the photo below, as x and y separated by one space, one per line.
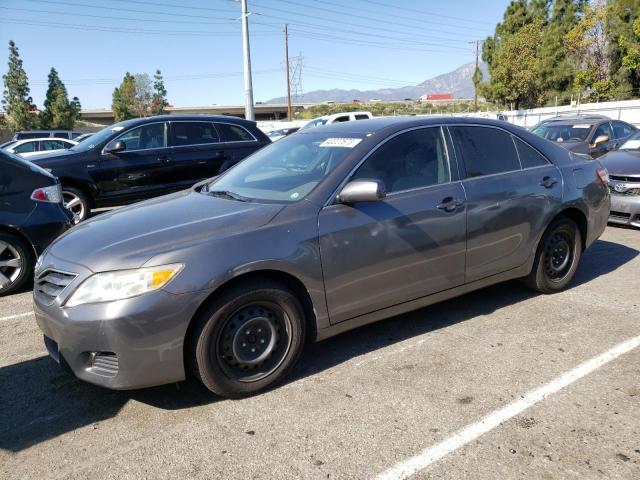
77 202
16 263
248 339
557 257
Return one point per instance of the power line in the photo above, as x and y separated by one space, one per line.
373 19
423 12
93 28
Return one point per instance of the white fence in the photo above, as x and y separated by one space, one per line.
628 111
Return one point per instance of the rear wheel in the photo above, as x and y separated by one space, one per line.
16 263
557 257
248 339
77 202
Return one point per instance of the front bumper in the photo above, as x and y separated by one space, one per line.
625 210
121 345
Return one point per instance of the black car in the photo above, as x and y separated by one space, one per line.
31 217
588 135
147 157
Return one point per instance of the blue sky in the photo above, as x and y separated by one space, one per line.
197 44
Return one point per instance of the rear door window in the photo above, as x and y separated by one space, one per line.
529 156
362 117
343 118
194 133
234 133
622 129
52 145
485 151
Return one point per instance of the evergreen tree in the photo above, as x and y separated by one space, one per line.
123 103
159 101
76 108
16 101
58 111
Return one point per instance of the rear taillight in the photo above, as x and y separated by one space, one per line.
52 194
603 175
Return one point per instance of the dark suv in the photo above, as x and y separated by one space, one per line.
589 135
147 157
31 217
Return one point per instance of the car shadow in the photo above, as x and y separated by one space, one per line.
41 401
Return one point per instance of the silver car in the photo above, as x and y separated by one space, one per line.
321 232
624 171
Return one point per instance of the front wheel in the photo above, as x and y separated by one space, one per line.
248 339
557 257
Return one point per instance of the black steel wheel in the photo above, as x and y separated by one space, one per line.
557 257
253 341
247 338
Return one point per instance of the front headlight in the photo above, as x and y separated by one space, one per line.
121 284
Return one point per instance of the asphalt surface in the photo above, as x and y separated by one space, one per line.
366 401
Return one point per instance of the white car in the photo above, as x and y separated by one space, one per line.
337 117
34 146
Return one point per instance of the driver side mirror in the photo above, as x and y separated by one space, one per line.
362 191
600 140
116 147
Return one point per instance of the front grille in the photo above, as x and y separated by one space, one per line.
625 178
50 284
624 215
105 363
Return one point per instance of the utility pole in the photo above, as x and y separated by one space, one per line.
249 113
286 66
475 87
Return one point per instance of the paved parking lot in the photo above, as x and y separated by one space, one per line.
368 401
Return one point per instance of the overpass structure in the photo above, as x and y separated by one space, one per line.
264 112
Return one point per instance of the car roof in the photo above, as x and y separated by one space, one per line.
383 123
48 139
187 117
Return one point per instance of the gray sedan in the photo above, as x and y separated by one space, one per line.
624 171
321 232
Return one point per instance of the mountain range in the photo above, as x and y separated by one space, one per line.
459 82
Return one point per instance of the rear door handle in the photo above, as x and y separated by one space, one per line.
449 204
548 182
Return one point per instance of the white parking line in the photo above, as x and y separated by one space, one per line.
20 315
419 462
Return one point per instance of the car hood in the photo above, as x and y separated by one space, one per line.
131 236
44 157
622 162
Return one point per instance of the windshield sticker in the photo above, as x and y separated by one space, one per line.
581 126
117 129
631 145
341 142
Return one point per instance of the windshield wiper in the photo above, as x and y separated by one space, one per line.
228 195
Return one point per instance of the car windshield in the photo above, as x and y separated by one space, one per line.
285 171
632 144
100 137
564 133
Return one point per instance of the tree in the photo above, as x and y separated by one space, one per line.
58 111
557 71
159 101
123 100
588 44
631 49
514 76
620 18
16 101
143 95
76 108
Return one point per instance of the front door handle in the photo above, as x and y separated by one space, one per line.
222 155
449 204
548 182
164 159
